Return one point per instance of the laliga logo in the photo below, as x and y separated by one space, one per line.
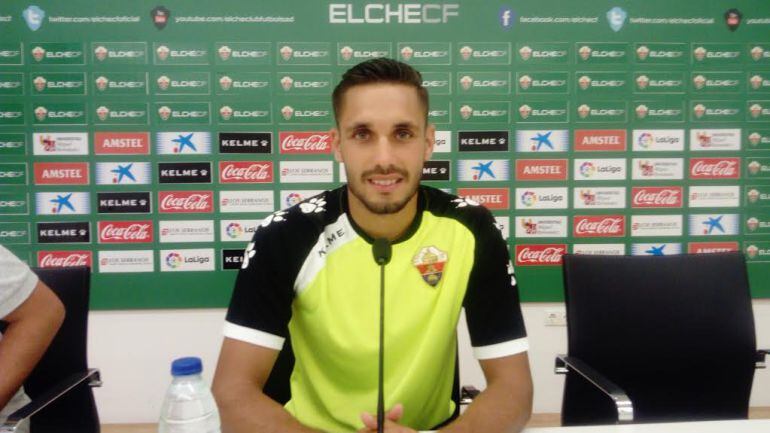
587 169
700 53
163 82
646 140
754 167
286 83
102 112
585 52
584 82
525 81
466 82
642 52
100 52
164 112
524 111
699 110
699 81
754 138
641 111
287 112
755 110
528 199
41 113
642 81
525 52
465 52
174 260
234 230
757 53
101 83
38 53
224 52
226 112
225 82
466 111
756 82
286 52
39 83
583 111
346 53
406 53
163 52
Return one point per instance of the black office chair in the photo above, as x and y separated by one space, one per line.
60 384
657 339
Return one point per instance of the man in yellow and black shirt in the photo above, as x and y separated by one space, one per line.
309 273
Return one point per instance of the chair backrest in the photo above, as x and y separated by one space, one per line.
75 411
675 332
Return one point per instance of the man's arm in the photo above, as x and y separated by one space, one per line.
506 403
31 327
242 370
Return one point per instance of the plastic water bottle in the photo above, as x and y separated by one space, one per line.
189 406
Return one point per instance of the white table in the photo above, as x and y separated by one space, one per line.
737 426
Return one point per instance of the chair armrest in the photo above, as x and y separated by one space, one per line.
92 376
467 394
760 361
623 404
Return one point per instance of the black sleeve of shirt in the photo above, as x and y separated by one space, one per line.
491 300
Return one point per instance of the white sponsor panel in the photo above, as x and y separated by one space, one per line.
186 231
542 198
60 143
62 203
599 198
715 139
714 224
657 169
181 260
480 170
237 230
306 171
656 225
656 249
126 261
658 140
600 169
599 249
246 201
183 143
542 140
123 173
503 224
443 142
714 196
291 197
541 227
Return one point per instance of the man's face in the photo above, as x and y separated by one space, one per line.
383 140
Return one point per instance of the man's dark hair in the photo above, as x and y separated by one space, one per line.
379 70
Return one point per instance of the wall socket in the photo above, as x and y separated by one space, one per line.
556 317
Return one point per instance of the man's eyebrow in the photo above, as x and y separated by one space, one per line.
357 125
406 124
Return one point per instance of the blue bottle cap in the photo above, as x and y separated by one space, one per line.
186 366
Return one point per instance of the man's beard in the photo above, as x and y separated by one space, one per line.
383 208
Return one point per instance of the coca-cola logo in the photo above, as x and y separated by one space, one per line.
186 201
63 259
715 168
305 142
245 172
125 231
656 197
599 226
549 254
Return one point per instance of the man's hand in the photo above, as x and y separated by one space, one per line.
391 421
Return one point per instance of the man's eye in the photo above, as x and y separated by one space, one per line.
361 135
404 134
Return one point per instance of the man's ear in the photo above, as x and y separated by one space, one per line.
334 133
430 140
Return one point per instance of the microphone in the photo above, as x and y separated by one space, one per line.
382 252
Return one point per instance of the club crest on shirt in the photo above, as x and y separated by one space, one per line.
430 262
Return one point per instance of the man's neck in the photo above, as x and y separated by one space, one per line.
390 226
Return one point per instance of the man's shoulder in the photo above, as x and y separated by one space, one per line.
304 219
461 209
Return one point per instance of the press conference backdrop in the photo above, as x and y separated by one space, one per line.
150 139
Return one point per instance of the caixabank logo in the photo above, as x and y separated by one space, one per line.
119 83
181 83
61 113
543 53
663 53
62 203
167 113
243 53
180 53
305 83
242 83
536 141
537 82
123 173
58 83
304 53
425 53
56 53
714 224
484 53
245 113
477 170
183 143
659 82
119 53
542 112
351 53
121 113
